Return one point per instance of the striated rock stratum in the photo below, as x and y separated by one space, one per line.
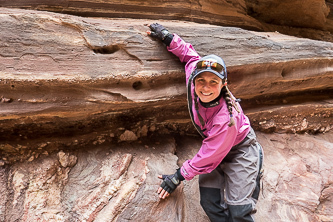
92 109
304 18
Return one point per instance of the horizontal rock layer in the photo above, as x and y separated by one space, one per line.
65 76
216 12
306 18
92 110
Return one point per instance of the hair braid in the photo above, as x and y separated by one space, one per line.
202 122
227 97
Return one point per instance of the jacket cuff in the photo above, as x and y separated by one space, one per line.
179 175
186 171
168 39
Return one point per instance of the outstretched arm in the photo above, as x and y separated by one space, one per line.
157 31
183 50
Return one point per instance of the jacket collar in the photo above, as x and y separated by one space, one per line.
213 103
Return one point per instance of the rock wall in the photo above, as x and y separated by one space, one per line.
118 182
92 110
303 18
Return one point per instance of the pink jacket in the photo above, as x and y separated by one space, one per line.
219 137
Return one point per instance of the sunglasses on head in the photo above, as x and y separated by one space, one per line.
210 64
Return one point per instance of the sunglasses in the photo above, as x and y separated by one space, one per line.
210 64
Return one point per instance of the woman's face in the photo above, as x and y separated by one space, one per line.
208 86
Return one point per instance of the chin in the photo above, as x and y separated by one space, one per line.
206 100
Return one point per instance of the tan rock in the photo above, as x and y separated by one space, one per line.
303 18
232 13
128 136
85 84
305 13
279 72
297 168
297 183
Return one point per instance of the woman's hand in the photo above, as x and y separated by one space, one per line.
162 193
157 31
169 184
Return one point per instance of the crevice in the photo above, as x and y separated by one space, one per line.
110 49
290 98
133 56
73 26
322 198
137 85
154 60
283 73
5 100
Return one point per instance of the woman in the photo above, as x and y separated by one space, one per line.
230 158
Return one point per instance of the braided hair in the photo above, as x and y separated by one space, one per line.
230 103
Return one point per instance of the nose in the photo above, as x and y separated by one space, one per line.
205 85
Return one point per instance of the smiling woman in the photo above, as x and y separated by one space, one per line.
230 159
208 86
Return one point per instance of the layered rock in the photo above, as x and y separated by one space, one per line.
298 180
92 110
57 70
118 182
231 13
306 14
310 18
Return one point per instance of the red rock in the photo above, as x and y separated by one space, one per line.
113 101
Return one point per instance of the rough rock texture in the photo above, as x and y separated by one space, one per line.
304 18
298 178
104 183
215 12
306 14
118 182
92 110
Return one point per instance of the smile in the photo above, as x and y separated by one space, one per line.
206 94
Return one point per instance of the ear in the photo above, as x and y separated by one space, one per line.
224 84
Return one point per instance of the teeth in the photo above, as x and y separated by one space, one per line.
206 94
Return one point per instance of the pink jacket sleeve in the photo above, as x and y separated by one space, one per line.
213 150
185 52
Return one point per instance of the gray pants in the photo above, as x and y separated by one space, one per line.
230 192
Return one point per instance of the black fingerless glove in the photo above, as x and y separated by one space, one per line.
171 182
159 32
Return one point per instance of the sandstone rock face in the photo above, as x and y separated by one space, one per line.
119 182
92 110
103 183
307 14
104 67
298 178
212 11
304 18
